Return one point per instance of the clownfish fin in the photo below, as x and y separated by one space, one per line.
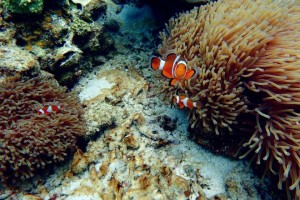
197 104
168 52
191 73
155 62
173 81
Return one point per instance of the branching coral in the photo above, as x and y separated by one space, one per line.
29 141
247 55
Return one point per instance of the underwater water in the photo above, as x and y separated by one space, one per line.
93 105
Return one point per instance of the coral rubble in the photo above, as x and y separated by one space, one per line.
29 141
247 56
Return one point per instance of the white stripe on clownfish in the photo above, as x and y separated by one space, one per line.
49 109
175 63
161 65
184 101
41 111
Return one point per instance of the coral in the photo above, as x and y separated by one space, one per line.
24 6
247 56
29 141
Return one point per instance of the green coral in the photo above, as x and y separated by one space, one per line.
24 6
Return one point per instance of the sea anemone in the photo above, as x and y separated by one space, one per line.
30 141
247 55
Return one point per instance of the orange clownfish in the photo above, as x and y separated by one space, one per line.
49 109
183 101
174 67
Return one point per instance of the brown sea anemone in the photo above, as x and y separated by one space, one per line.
247 54
29 141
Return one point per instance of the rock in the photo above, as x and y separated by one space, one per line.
91 8
68 55
17 61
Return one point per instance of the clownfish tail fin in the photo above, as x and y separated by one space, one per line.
197 104
173 81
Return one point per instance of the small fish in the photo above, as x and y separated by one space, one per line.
174 67
183 101
49 109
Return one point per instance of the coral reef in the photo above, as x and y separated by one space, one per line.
24 6
139 158
248 64
137 147
29 141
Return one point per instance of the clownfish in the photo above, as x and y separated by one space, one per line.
183 101
174 67
49 109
